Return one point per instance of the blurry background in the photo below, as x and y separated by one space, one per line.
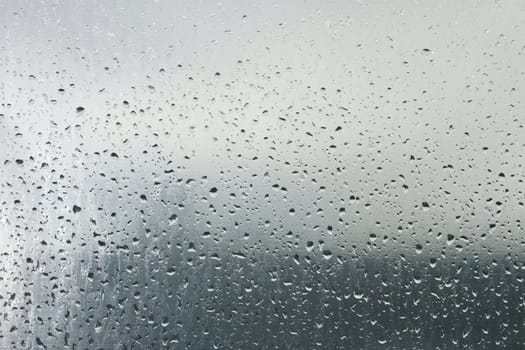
258 175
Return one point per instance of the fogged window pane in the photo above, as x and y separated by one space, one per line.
262 175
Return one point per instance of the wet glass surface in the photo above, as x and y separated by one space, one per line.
258 175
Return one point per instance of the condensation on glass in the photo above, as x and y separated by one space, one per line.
262 175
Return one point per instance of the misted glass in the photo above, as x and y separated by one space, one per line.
262 175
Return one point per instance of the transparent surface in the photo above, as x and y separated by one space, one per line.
258 175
